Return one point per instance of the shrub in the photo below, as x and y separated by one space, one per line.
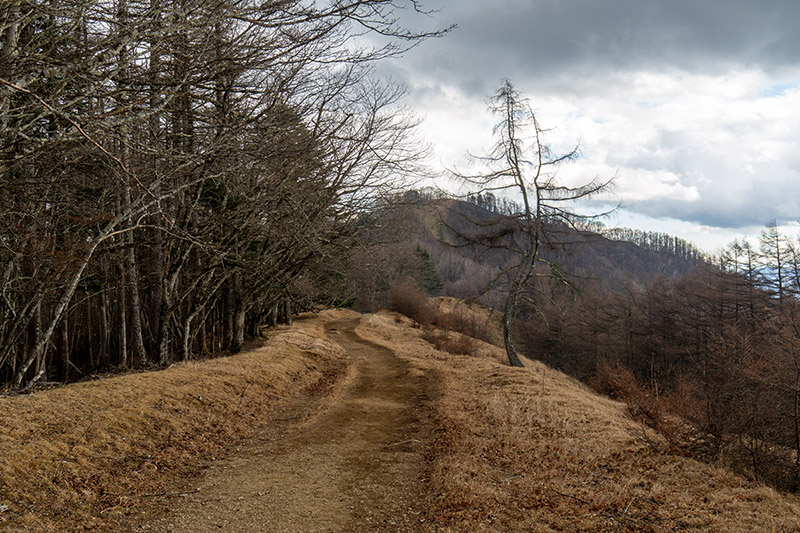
405 297
645 404
456 331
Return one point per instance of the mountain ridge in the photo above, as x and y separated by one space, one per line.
444 227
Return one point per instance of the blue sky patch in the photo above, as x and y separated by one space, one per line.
778 90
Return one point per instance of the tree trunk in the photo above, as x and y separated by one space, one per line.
90 340
64 351
38 349
122 349
287 311
508 324
796 476
164 317
10 39
164 355
273 316
37 333
238 314
228 313
186 352
138 351
155 89
521 277
239 325
105 321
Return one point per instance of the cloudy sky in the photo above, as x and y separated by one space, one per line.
694 105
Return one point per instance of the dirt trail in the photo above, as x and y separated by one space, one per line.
356 465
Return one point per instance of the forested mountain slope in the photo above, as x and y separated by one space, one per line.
581 254
443 228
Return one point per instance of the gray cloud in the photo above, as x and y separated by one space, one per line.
565 43
732 200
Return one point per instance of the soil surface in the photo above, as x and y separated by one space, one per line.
348 460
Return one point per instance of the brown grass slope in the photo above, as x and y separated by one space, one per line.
513 449
533 450
86 455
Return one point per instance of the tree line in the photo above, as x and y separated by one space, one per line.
650 240
174 173
712 359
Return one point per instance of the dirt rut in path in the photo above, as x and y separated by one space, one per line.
355 466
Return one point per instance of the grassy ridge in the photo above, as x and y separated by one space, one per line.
513 449
85 455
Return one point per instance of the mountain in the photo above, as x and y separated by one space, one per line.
444 228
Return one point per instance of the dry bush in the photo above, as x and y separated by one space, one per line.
646 404
458 326
465 322
456 331
691 424
407 298
617 380
451 342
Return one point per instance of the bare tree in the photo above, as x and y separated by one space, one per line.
773 256
522 165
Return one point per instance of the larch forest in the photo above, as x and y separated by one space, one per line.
177 174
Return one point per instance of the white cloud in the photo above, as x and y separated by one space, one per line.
709 150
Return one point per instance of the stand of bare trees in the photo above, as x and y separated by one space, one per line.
172 171
712 359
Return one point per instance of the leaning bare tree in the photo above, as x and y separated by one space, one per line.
522 166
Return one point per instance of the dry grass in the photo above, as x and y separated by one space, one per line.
451 342
513 449
83 456
533 450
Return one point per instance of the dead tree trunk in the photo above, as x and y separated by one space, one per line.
122 349
10 38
